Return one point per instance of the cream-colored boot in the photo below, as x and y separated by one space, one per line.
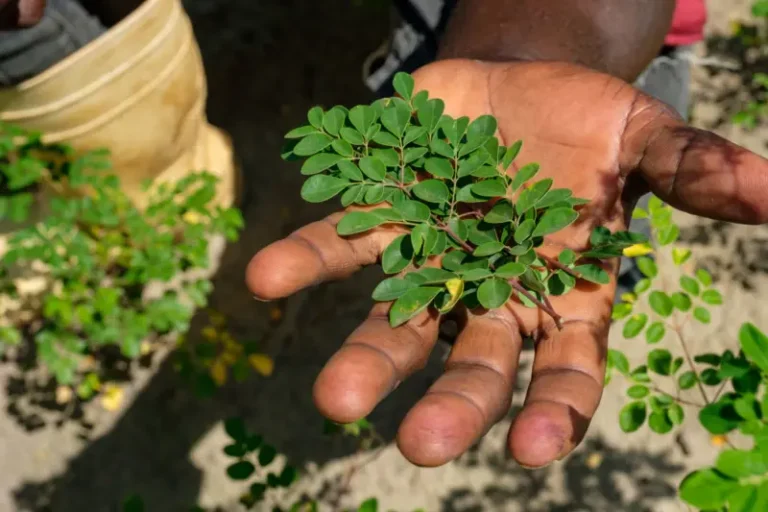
139 90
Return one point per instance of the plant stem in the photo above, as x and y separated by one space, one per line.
680 400
689 359
544 307
445 227
560 266
720 390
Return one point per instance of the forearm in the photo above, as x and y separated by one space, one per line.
619 37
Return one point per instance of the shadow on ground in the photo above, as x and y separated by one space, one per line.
596 478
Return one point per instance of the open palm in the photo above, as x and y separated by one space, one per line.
591 133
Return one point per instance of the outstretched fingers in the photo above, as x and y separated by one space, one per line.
311 255
373 360
695 170
565 390
472 395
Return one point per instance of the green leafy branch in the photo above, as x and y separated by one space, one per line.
731 385
446 184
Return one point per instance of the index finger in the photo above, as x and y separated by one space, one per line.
314 254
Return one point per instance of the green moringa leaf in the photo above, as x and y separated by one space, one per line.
501 213
439 167
554 220
525 173
494 293
311 144
319 163
433 191
392 288
320 187
358 222
411 303
403 84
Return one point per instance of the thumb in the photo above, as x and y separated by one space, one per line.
694 170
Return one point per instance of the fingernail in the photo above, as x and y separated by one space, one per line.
535 467
256 297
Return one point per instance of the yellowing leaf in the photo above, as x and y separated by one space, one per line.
455 288
637 250
146 348
263 364
112 398
229 356
217 319
210 333
718 441
629 298
219 372
230 343
594 460
191 217
63 395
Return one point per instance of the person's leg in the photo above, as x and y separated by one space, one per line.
65 28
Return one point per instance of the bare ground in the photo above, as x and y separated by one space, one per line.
267 63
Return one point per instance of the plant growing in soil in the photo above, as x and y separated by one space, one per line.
100 257
728 389
753 39
446 182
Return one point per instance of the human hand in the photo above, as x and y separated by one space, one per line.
20 13
591 133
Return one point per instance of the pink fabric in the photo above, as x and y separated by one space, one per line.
688 23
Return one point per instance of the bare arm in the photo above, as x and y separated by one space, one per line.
616 37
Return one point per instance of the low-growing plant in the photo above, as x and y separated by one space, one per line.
207 364
753 36
252 456
731 386
445 182
116 276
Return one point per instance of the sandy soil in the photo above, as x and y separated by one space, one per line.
267 64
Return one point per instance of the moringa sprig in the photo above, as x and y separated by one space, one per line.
447 182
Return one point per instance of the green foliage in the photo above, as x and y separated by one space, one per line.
753 37
100 254
401 161
251 456
731 385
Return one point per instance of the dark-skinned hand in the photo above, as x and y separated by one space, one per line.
592 133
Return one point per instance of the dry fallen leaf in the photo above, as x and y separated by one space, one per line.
263 364
718 441
594 460
112 398
219 372
63 395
